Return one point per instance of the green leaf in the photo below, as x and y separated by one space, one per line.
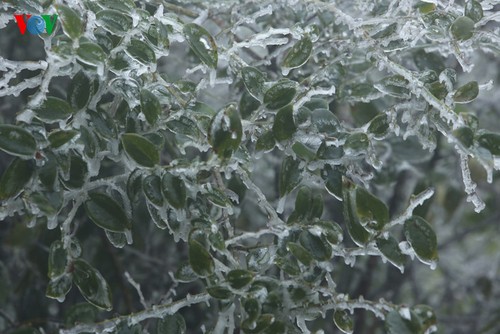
300 253
58 259
284 125
343 321
225 131
184 126
91 53
490 141
217 197
462 28
15 178
80 313
157 35
262 323
106 213
54 109
254 81
17 141
299 54
201 43
174 190
390 249
280 94
92 285
200 259
290 175
467 92
220 292
151 185
370 208
70 20
79 92
252 308
248 104
60 137
357 232
395 324
59 287
171 324
150 106
319 249
113 21
239 278
473 10
141 52
141 150
422 238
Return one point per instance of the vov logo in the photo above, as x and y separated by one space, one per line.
36 24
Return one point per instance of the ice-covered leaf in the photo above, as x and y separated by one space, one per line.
290 175
92 285
248 104
300 253
473 10
53 109
80 91
333 181
71 21
371 209
60 137
141 52
140 149
490 141
226 131
185 273
91 53
299 54
390 249
462 28
171 324
325 120
202 44
284 125
252 308
151 185
220 292
357 232
266 142
106 213
422 238
58 287
150 106
280 94
78 172
157 35
239 278
465 135
396 324
113 21
467 92
357 143
17 141
343 321
254 81
15 178
319 249
303 151
174 190
331 230
58 259
200 259
379 126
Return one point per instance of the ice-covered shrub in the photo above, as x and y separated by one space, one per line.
224 164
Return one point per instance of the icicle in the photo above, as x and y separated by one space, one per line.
281 205
470 185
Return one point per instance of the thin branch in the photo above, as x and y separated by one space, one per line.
156 311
